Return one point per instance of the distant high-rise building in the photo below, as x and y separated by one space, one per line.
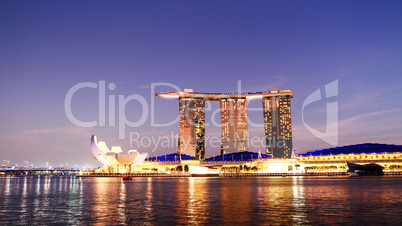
234 125
278 125
192 126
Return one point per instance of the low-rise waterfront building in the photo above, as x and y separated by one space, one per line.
332 160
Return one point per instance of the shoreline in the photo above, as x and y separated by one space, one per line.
232 175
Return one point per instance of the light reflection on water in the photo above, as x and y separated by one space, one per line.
122 203
290 200
148 201
197 199
298 216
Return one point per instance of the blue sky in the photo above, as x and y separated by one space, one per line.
47 47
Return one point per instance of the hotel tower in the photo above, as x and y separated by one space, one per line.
278 125
234 125
192 126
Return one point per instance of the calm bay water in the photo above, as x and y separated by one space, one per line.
273 200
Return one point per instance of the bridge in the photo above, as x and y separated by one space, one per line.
38 170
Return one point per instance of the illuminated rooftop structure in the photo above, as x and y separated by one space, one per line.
367 148
174 157
219 96
244 156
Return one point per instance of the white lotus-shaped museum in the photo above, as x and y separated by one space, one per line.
116 155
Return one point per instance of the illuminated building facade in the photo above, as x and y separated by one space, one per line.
115 160
334 159
234 125
331 160
192 126
278 125
234 121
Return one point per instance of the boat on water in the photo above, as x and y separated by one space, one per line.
371 169
204 175
127 178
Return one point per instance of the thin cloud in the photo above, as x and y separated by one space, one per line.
380 126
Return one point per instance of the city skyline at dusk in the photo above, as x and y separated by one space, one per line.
139 49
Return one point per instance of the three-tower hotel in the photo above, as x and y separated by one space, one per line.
277 121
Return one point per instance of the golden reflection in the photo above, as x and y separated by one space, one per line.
104 191
299 206
191 194
192 200
197 200
181 198
148 201
275 198
122 203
